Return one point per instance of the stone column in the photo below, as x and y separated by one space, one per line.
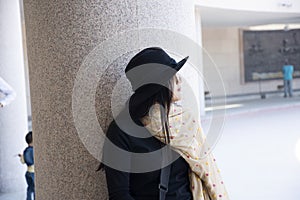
13 118
60 36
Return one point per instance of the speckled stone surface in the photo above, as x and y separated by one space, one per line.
60 35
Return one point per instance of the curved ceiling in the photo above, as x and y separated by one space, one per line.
217 17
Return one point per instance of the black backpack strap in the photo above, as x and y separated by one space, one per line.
166 157
164 176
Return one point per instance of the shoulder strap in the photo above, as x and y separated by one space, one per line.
164 177
166 155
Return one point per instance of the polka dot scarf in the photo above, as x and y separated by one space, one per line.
187 139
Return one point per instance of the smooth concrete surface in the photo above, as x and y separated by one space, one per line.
13 196
258 153
13 118
251 104
60 35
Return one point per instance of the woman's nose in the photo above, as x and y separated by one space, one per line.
179 80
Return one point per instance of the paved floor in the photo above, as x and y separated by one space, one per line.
258 149
13 196
252 104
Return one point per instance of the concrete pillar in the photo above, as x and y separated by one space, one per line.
60 36
13 118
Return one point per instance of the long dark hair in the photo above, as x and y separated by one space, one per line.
163 97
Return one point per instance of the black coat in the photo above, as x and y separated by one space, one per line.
142 186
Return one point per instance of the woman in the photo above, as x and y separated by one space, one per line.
152 73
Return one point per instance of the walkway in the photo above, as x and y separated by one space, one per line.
259 150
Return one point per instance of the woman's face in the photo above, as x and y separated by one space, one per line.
176 88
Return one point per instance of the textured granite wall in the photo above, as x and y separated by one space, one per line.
13 118
60 36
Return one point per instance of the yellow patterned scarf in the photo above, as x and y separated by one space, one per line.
187 139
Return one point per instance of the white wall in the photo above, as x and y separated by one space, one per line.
13 117
222 45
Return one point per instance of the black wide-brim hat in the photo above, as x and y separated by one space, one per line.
151 69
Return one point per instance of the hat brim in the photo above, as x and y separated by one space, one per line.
181 63
165 76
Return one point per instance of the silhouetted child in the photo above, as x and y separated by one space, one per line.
27 158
